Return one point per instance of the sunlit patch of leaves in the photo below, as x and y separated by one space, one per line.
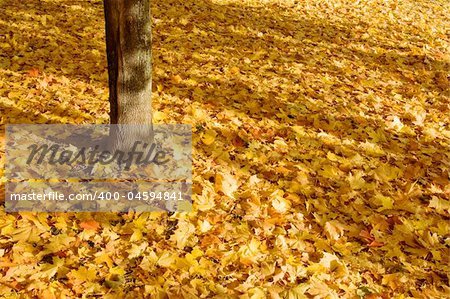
321 150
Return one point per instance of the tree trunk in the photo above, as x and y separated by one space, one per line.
128 46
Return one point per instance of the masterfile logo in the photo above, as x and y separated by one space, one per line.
98 167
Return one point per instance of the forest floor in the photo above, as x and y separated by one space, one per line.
321 150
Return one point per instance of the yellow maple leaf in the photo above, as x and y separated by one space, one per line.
83 274
385 202
331 172
386 172
356 180
226 183
441 205
333 229
209 136
279 203
183 232
159 116
166 260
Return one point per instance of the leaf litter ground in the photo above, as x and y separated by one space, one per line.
321 150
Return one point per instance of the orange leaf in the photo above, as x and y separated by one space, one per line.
33 72
375 244
90 225
176 79
365 234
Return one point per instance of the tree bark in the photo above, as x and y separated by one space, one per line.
128 47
